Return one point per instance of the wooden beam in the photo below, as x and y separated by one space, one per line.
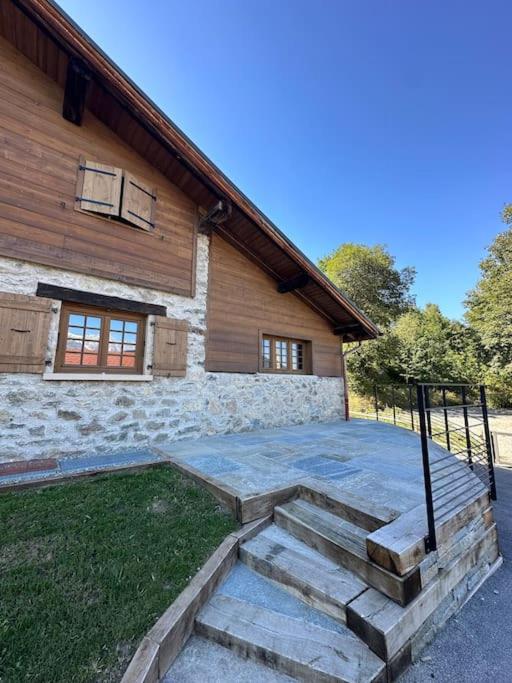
101 300
348 328
293 283
78 81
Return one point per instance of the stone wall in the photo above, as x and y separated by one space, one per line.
40 418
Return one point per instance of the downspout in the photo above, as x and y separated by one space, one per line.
344 355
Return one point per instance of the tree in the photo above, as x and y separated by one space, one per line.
369 277
489 313
433 348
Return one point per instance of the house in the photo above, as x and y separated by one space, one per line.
143 297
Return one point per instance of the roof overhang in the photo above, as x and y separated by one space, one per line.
47 36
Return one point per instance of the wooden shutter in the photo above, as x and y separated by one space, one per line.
138 203
99 187
24 323
170 347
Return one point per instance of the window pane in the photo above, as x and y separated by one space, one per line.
116 337
128 348
90 359
72 358
130 338
130 326
74 345
114 359
128 361
92 335
75 332
91 346
93 322
116 325
114 348
266 353
281 355
75 319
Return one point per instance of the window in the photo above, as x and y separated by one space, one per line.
279 354
116 194
96 340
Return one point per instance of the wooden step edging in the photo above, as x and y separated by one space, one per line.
164 641
400 545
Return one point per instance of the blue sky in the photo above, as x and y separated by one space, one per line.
371 121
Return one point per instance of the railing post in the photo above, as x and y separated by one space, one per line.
446 427
411 407
376 396
430 541
427 409
463 397
485 416
393 401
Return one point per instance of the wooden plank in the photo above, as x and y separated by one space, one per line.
243 302
304 572
400 546
174 627
103 301
295 647
361 511
143 668
39 142
386 627
346 544
261 504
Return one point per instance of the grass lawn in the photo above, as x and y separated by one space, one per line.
86 568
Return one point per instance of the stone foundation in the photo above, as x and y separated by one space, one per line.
42 419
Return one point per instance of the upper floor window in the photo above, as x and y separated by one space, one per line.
115 193
282 354
96 340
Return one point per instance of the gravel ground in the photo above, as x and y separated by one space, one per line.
476 645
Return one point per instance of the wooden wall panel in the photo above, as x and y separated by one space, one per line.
39 157
243 301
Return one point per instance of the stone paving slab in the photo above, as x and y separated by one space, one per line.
383 460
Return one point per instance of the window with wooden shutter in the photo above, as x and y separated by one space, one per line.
170 349
99 188
138 202
24 323
93 340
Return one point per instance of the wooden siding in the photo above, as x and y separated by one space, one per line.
243 303
39 157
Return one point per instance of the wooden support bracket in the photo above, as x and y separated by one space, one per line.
293 283
78 81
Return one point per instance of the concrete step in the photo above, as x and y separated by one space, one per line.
205 661
292 646
345 543
302 571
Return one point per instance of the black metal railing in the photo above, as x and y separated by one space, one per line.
453 417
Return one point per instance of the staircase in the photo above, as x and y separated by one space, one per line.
306 601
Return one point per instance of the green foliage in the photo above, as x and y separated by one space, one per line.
423 345
369 277
489 313
506 214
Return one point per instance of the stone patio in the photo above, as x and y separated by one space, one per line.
371 459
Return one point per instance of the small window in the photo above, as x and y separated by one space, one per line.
279 354
96 340
114 193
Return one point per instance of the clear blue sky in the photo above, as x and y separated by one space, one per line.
382 121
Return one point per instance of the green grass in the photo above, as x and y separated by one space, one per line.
86 568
